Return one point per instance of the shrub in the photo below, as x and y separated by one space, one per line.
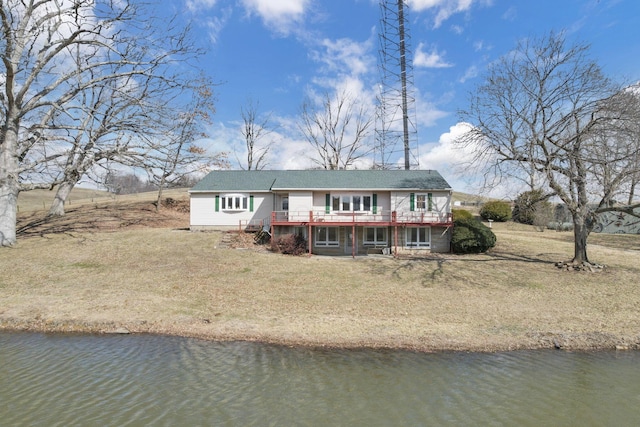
496 210
461 213
542 215
471 236
290 244
531 208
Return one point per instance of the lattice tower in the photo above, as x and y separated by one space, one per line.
396 131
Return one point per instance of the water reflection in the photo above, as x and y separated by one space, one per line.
63 380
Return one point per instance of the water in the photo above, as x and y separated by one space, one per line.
80 380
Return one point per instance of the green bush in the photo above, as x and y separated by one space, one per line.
471 236
290 244
461 213
496 210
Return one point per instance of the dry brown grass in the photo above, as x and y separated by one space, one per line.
98 270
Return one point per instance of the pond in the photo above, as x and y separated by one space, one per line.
140 380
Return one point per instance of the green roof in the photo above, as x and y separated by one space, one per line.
274 180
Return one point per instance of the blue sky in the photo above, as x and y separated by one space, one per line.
277 52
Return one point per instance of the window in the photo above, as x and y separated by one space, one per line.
418 237
366 203
356 203
234 202
300 231
375 236
335 204
351 203
327 236
346 203
421 202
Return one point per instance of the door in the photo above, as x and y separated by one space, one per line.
350 237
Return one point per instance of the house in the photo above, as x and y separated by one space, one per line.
618 222
339 212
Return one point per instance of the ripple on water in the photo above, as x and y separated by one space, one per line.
65 380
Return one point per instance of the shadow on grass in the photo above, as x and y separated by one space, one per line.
99 218
434 264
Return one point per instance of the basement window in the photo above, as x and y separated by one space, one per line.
327 236
418 237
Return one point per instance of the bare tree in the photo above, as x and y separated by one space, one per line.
547 106
53 51
112 122
175 155
125 183
338 129
254 130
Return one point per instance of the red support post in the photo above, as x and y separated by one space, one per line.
353 239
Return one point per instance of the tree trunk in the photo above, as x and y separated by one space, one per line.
580 234
634 182
8 210
159 198
57 207
9 188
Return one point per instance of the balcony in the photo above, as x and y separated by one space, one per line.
381 218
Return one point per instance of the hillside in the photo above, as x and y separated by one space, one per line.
101 211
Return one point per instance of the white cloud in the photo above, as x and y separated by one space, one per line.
449 159
457 29
199 5
216 24
281 16
511 14
347 65
471 73
445 151
345 56
458 166
287 151
432 59
428 114
443 9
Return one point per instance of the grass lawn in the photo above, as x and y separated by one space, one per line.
119 264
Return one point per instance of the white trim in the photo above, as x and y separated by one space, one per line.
239 202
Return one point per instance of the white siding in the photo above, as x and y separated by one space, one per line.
384 202
319 201
300 203
203 211
400 201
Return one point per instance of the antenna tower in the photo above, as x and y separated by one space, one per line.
396 130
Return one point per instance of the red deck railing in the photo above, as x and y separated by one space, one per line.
349 218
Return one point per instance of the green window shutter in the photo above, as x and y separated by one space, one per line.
217 203
327 203
375 203
251 203
430 201
412 202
